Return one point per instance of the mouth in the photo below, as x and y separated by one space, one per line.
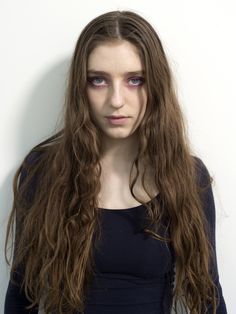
117 120
116 117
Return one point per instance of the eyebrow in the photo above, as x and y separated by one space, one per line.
138 72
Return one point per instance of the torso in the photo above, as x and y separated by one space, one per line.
115 192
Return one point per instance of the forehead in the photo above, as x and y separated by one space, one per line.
115 57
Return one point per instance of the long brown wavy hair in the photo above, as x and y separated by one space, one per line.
55 203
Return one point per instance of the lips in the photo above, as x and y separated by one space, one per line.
116 117
117 120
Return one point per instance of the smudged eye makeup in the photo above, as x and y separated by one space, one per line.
100 81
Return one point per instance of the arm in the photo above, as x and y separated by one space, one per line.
209 209
16 300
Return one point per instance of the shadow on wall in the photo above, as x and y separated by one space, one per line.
43 107
39 118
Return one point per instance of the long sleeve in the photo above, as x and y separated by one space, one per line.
16 300
209 209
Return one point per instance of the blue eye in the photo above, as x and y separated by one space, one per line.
95 80
138 80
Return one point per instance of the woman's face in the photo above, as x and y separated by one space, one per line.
116 86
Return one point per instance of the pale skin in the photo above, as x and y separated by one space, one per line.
117 92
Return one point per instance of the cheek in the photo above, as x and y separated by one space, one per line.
96 98
142 103
91 98
95 103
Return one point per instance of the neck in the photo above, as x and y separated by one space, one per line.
119 154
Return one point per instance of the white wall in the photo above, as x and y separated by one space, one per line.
37 40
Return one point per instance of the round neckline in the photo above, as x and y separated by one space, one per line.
127 209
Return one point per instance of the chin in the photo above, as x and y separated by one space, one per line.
118 136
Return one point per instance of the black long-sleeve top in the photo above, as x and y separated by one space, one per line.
135 273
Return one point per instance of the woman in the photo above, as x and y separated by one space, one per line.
114 214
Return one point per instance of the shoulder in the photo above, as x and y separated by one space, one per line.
204 182
29 161
32 157
202 174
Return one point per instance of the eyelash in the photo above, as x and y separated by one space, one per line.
91 79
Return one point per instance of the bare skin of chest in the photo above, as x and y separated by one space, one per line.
115 192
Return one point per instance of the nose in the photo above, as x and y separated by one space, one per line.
116 98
